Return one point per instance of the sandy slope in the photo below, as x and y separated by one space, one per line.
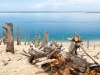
18 64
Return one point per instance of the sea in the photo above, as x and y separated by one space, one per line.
58 24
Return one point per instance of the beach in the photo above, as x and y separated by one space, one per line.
18 64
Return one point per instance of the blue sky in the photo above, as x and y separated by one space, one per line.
49 5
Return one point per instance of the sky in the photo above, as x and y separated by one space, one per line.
50 5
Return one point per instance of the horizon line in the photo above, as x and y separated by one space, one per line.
49 12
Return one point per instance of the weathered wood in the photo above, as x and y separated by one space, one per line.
39 60
69 65
9 37
39 64
96 56
18 36
37 50
55 43
59 61
89 55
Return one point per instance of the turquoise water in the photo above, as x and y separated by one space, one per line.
87 25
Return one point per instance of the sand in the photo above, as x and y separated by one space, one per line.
17 64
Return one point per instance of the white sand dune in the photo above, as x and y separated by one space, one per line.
17 64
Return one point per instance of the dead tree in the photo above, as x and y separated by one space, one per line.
28 39
25 40
9 37
88 44
59 61
18 36
45 39
94 48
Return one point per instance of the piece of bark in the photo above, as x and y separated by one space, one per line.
9 37
18 36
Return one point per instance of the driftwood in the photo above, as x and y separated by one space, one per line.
9 37
18 36
89 56
96 56
59 61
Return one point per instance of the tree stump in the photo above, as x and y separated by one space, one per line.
18 36
9 37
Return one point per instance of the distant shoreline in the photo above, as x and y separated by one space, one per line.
47 12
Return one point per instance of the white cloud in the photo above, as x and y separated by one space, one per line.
5 5
30 6
40 5
50 3
64 3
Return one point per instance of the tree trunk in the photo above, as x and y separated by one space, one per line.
9 37
18 36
